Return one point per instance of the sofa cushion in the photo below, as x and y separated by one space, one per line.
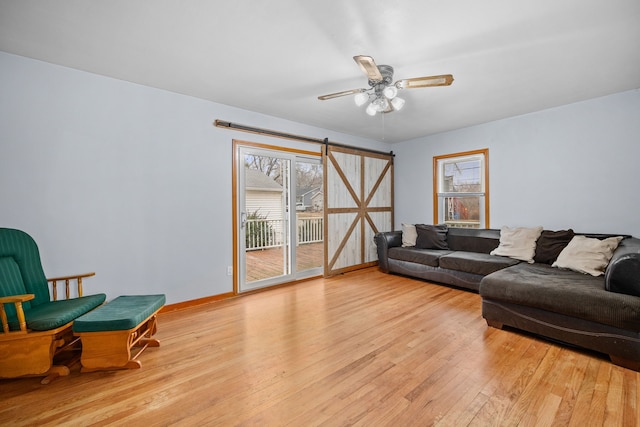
587 255
54 314
473 239
409 235
428 257
475 263
562 291
432 236
550 244
518 243
11 284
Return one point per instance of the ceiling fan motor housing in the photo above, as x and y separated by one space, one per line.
387 78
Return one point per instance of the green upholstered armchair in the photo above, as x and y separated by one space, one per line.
36 337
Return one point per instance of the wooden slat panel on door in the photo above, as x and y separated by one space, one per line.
358 201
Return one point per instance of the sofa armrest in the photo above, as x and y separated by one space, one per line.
623 272
384 241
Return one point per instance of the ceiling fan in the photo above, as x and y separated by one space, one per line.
382 91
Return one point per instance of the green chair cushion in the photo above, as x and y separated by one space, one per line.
11 284
54 314
123 313
23 249
21 273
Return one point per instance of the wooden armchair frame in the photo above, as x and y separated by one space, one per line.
17 300
48 353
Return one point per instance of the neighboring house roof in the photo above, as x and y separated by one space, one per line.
304 191
257 180
305 194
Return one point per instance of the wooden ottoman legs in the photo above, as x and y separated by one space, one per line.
112 349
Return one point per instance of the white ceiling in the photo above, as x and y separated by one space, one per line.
275 57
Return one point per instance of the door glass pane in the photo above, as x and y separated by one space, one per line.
266 225
309 215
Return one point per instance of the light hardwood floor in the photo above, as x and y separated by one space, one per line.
364 348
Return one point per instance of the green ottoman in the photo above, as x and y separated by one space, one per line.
111 331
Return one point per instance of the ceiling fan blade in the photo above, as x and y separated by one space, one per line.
369 67
339 94
443 80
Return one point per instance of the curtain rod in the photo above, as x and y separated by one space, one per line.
268 132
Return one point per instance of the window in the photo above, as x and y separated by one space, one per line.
461 189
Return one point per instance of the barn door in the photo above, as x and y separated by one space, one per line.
358 203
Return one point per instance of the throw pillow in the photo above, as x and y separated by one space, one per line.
550 244
409 235
432 236
518 243
587 255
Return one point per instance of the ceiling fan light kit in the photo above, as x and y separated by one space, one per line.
390 92
382 93
397 103
361 98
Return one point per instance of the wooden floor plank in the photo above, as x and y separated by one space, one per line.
363 348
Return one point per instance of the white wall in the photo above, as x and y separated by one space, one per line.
573 166
128 181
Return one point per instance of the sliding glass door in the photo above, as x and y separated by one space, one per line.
278 216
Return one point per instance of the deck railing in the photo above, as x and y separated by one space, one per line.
310 230
267 233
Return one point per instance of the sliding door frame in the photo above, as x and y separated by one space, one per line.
237 167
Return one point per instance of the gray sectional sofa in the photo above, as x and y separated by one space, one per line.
600 313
